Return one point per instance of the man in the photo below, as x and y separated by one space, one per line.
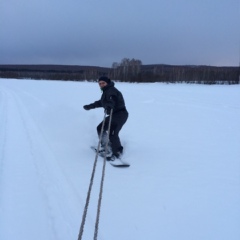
113 99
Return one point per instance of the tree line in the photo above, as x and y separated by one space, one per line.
132 70
127 70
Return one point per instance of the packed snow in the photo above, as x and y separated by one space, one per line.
182 141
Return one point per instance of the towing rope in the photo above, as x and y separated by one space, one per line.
91 183
102 179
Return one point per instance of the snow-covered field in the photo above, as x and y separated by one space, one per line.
182 141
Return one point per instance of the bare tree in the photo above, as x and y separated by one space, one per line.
127 69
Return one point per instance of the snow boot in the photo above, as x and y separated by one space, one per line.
114 156
102 152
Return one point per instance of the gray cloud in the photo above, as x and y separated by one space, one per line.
102 32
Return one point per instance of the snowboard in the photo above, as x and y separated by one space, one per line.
116 163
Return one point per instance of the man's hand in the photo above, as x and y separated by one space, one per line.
88 107
108 110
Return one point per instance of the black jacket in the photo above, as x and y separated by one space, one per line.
111 97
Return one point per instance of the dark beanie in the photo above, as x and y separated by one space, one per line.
105 79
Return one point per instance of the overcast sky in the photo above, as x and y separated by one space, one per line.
100 32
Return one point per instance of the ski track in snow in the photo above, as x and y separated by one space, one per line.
37 157
3 130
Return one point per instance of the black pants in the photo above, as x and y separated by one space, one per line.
118 120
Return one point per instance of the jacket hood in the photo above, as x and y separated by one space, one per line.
111 84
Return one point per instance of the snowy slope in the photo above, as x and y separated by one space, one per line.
182 141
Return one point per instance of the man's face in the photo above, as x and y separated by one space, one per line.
102 84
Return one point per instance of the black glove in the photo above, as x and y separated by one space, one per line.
88 107
108 108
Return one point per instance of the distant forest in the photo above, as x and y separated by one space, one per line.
128 70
